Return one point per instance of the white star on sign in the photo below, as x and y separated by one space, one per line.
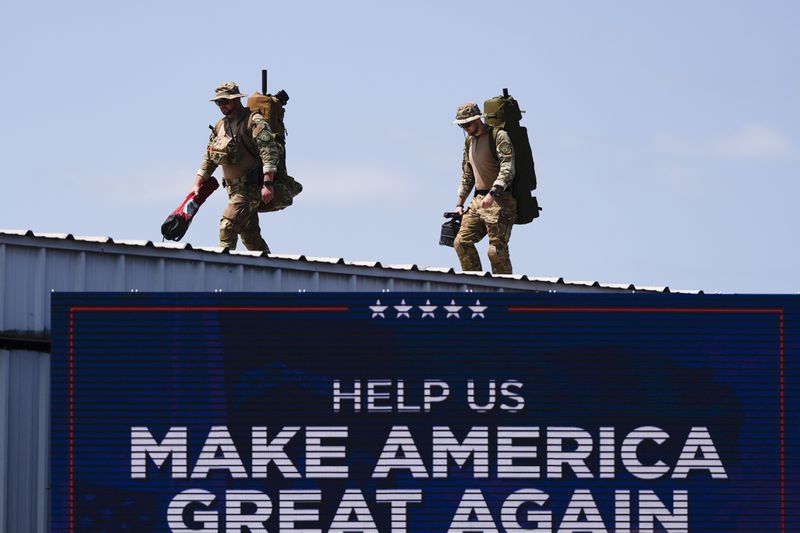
427 309
378 309
403 309
477 309
453 309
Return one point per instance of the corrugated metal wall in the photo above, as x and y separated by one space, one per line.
24 453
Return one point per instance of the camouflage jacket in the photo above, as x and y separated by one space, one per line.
256 135
505 157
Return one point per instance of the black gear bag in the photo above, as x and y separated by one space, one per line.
450 229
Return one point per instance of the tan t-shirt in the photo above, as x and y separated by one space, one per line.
484 164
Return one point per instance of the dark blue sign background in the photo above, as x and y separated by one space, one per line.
675 362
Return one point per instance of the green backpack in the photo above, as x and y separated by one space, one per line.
503 113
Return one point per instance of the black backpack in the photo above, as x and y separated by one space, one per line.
503 113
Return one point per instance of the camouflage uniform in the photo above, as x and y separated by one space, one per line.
495 221
242 170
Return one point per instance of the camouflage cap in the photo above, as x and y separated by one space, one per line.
227 90
467 113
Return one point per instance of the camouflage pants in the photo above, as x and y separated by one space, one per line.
241 218
495 221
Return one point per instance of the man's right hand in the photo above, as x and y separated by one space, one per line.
198 182
460 205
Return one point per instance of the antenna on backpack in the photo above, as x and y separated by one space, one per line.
263 81
505 91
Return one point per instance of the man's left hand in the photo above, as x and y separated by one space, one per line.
488 201
267 194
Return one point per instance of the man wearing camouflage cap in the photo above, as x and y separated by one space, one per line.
488 166
245 147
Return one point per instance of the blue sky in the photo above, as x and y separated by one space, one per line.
665 134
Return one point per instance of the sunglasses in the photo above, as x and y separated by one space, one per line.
223 101
466 125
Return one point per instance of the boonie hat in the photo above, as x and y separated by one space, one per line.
467 113
227 91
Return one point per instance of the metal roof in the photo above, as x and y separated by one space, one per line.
34 264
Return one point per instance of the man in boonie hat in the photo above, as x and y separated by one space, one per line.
244 146
227 91
467 113
488 166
